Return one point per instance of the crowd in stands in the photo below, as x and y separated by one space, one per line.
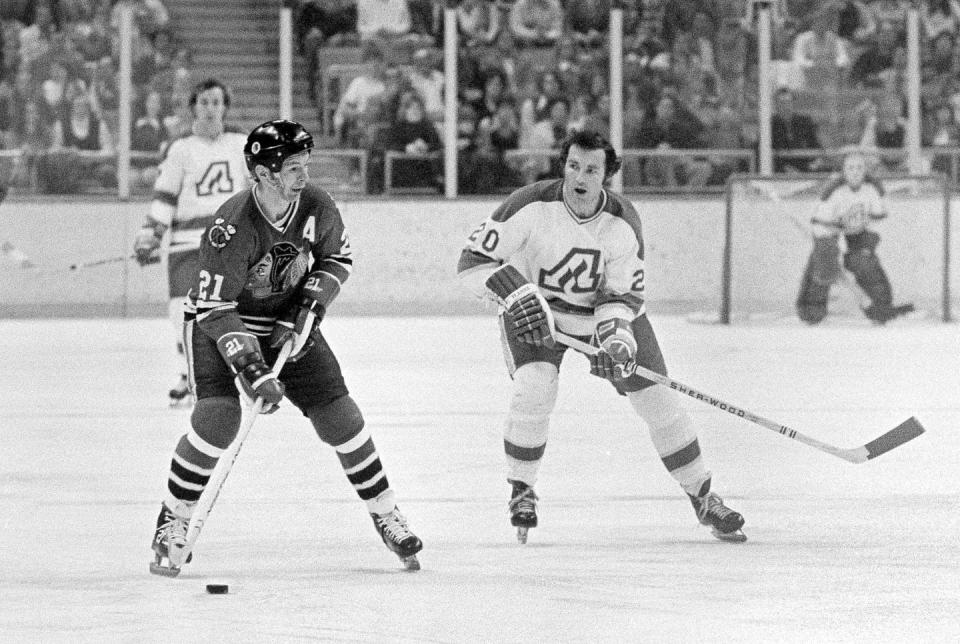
530 71
59 95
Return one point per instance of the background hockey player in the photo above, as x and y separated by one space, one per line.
847 208
198 173
274 254
570 250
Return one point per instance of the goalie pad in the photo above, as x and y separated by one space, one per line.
823 269
870 276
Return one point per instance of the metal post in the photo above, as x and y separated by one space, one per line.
286 63
450 99
914 160
763 86
616 86
125 90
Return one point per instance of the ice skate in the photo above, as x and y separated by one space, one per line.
395 533
880 315
724 523
523 509
171 533
180 395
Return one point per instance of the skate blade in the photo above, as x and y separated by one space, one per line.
157 567
736 536
522 534
183 403
410 563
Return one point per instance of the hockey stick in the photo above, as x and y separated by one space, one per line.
212 490
905 431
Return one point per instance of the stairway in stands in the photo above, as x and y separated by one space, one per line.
237 41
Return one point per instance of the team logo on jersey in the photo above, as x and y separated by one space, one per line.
280 270
220 233
216 179
577 272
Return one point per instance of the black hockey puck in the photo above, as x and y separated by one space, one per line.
218 589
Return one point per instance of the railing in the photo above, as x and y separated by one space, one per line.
391 157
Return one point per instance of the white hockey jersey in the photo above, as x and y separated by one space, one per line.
586 269
848 211
196 176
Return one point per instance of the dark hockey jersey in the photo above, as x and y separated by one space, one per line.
251 270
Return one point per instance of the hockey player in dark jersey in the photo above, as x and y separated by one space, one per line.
271 263
567 254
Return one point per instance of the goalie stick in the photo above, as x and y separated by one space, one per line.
905 431
179 556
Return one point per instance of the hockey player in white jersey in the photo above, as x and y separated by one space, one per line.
849 205
199 172
567 255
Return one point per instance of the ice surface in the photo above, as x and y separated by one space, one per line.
837 552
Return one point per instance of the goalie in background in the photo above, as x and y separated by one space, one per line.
848 206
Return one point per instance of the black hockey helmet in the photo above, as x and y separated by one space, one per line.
271 142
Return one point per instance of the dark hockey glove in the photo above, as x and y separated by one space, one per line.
251 373
319 289
146 245
532 321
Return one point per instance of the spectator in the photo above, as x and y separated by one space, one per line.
35 137
105 94
939 67
478 23
883 129
149 135
819 52
384 19
495 88
669 130
940 17
547 134
942 132
321 23
535 107
80 146
412 133
855 24
791 130
53 90
9 113
428 81
679 16
723 130
536 23
362 97
877 57
426 21
892 13
587 21
496 134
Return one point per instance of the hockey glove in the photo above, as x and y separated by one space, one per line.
319 289
602 365
532 320
146 245
253 377
615 337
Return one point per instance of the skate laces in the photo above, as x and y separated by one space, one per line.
711 503
174 529
394 526
525 501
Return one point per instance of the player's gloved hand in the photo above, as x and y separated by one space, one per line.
525 305
319 289
615 337
602 365
251 373
146 246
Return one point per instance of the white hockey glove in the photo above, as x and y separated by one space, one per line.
616 339
532 320
146 245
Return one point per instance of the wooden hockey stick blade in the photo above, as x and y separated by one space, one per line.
905 431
